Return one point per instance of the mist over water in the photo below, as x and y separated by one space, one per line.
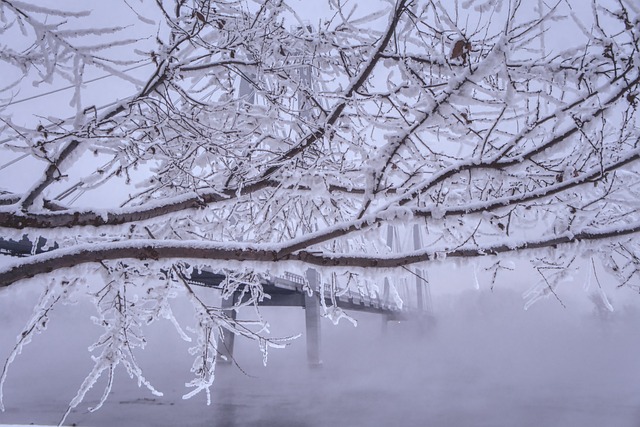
485 362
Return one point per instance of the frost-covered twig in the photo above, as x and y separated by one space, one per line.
212 323
124 308
36 325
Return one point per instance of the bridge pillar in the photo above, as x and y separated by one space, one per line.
312 318
386 292
225 345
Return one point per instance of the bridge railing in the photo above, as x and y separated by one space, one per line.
365 296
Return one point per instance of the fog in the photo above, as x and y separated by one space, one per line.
484 362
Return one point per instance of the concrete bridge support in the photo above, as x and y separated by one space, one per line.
225 345
312 315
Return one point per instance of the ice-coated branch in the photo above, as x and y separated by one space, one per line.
37 324
155 250
356 83
56 165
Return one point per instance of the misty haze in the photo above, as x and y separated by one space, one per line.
486 362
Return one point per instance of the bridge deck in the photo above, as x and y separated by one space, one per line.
290 291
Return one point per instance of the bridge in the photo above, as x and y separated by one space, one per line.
293 290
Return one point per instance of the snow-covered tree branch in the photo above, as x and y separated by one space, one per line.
252 137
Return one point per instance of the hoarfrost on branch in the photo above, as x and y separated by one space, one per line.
253 139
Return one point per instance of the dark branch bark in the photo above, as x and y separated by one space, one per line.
542 193
49 220
155 250
65 218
